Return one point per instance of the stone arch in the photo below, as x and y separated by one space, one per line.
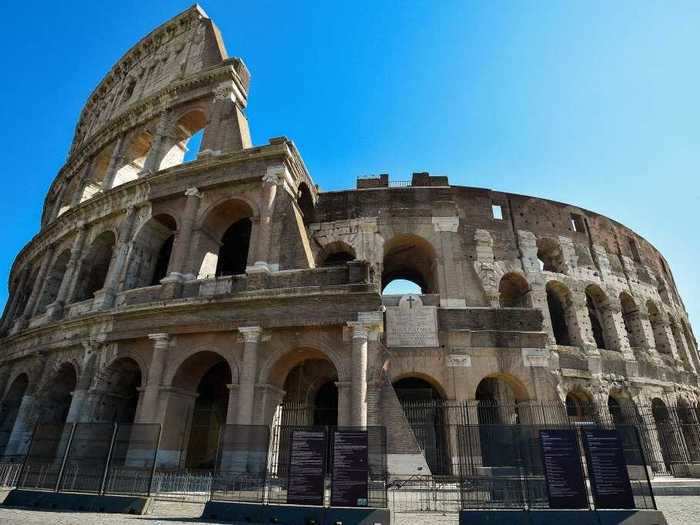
336 253
225 238
149 256
622 409
632 321
198 411
303 384
97 174
134 158
56 395
599 316
118 386
550 256
10 407
95 266
561 313
411 258
579 405
513 290
53 281
427 379
501 387
169 376
270 368
658 328
189 125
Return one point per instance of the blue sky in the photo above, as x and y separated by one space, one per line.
592 103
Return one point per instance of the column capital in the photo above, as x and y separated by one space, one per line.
193 192
160 340
275 175
359 329
251 334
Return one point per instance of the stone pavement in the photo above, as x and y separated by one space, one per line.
679 510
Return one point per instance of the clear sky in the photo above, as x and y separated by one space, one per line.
591 103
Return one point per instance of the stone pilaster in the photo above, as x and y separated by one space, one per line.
365 329
55 309
113 165
227 129
149 405
155 154
252 336
180 264
272 180
232 408
105 297
37 287
450 270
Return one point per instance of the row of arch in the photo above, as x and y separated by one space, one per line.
127 158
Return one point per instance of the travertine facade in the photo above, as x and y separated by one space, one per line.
193 293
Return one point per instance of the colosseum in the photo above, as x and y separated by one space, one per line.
199 287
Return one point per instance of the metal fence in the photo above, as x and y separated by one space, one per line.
96 458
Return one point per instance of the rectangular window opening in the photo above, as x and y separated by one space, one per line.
577 223
497 211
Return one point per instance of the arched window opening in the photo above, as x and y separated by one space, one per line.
128 91
209 417
559 305
513 291
305 202
233 254
423 405
550 256
410 258
56 399
26 280
9 409
134 159
579 407
632 321
596 304
119 385
98 170
680 343
224 243
658 328
402 287
150 253
622 410
189 131
692 346
336 254
95 267
54 279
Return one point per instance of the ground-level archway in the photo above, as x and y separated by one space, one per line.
427 413
118 392
9 409
56 397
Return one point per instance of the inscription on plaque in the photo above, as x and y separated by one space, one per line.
607 469
307 450
562 469
411 324
350 473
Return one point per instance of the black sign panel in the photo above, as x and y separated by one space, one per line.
562 469
307 450
607 469
349 482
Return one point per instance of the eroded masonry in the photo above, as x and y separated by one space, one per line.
194 288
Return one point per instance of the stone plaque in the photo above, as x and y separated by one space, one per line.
459 361
411 324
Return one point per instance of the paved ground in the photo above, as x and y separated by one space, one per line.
679 510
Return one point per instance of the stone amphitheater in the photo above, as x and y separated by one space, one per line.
195 288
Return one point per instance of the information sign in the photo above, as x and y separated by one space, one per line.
607 469
563 473
350 472
307 449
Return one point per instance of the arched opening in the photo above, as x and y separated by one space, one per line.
224 240
550 256
53 281
596 304
233 254
579 407
632 321
23 289
150 252
337 254
9 409
57 395
559 305
658 328
134 159
189 131
497 405
664 430
410 258
690 343
203 379
622 410
689 418
119 385
424 407
305 202
513 291
680 343
95 266
98 171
